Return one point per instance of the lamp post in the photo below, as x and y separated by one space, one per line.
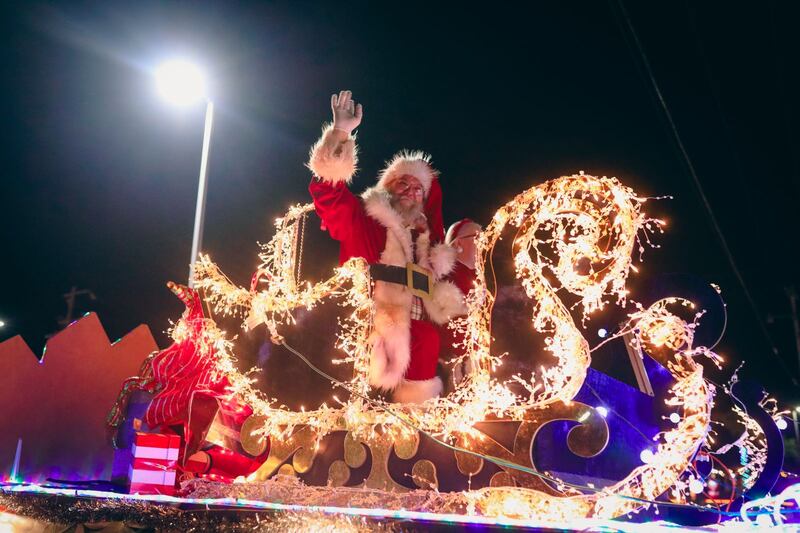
200 208
183 83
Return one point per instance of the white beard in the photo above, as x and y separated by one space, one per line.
410 214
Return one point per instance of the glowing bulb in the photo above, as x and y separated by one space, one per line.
646 456
674 418
695 486
180 82
603 411
2 324
781 423
602 332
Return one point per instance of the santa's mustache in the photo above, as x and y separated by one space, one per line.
408 212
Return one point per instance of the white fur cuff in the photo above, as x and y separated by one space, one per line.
332 161
445 302
417 391
443 259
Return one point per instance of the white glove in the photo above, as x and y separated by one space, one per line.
346 114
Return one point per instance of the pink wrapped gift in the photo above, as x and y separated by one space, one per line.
154 464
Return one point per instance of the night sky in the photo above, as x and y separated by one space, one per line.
100 176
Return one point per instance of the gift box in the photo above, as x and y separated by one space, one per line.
125 434
154 465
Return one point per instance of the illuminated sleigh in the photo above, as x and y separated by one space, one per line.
482 444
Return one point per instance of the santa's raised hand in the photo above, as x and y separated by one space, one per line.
346 113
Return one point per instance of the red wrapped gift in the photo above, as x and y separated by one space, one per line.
154 465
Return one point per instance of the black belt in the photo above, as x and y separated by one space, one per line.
416 278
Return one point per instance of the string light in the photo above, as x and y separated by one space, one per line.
575 234
695 486
646 456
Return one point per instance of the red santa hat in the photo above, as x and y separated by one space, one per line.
418 165
454 231
407 163
433 211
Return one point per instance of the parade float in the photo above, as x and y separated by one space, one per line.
199 442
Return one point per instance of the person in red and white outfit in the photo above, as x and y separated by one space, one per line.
461 237
397 227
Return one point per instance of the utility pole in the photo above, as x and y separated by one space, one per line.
70 298
796 427
791 292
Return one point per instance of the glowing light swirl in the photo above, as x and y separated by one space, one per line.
752 443
690 393
593 226
273 305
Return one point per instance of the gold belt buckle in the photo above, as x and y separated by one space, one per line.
411 268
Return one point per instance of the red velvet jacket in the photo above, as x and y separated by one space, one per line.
344 217
359 234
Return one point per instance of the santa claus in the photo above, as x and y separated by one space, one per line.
397 227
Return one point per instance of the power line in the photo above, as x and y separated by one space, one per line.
699 187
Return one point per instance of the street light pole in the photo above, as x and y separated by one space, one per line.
200 209
791 292
796 428
183 83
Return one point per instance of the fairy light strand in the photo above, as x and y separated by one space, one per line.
576 234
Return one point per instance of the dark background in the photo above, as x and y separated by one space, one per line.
99 176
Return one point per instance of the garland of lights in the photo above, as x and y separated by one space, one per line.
752 443
68 506
575 233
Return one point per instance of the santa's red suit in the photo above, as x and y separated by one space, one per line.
462 277
404 349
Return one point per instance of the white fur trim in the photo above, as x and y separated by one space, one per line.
391 338
416 163
391 343
417 391
422 249
376 203
445 302
442 259
439 259
332 161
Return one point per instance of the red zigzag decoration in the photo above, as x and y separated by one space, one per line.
58 407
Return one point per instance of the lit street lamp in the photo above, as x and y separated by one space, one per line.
182 83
